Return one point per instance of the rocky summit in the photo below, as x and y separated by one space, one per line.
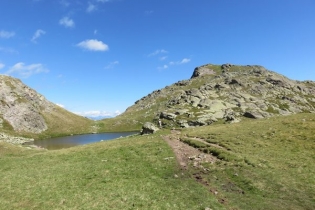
226 93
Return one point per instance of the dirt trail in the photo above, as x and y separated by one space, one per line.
186 154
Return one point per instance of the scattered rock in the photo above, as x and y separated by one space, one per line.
228 93
168 116
149 128
15 139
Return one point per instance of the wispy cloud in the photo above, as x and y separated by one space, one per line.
2 65
162 67
103 1
64 3
8 50
6 34
26 71
156 52
163 58
185 60
91 7
37 34
67 22
61 105
98 114
111 65
93 45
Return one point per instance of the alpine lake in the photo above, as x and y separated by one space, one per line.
76 140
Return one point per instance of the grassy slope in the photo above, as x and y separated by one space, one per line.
60 122
128 173
266 164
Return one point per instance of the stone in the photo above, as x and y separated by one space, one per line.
149 128
168 116
202 70
253 114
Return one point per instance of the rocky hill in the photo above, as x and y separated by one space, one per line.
222 93
23 110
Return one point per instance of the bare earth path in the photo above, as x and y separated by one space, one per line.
186 154
189 156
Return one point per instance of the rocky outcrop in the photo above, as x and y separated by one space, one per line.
15 140
227 93
149 128
202 70
22 107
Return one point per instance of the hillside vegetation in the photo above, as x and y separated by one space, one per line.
261 164
129 173
264 164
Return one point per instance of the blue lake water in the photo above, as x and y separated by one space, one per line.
71 141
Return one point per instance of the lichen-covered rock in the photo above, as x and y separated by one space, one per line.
202 70
168 116
149 128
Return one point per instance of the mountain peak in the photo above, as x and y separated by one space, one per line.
224 93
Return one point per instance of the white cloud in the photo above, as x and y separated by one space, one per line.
37 34
117 112
6 34
93 45
185 60
163 67
25 71
156 52
61 105
66 22
91 7
2 65
98 114
112 65
95 32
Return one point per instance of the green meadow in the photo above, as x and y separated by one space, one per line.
262 164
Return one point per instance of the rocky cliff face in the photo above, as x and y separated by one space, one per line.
22 107
227 93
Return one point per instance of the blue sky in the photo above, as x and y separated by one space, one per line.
97 57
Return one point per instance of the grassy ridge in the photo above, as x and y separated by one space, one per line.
265 164
128 173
